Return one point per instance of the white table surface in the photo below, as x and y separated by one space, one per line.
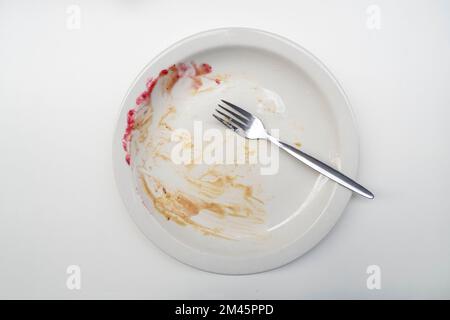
60 94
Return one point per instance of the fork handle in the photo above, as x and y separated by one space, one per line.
323 168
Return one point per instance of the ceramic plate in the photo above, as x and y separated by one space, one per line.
248 208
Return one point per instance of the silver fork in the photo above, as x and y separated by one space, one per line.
251 127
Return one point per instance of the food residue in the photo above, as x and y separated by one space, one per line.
216 200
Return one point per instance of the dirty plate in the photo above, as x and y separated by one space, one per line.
210 198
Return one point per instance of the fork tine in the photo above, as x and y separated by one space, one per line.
240 110
231 119
225 123
240 118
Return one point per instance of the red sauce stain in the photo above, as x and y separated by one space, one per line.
174 73
127 135
201 69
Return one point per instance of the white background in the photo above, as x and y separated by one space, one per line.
60 94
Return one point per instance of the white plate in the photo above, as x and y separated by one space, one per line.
302 205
